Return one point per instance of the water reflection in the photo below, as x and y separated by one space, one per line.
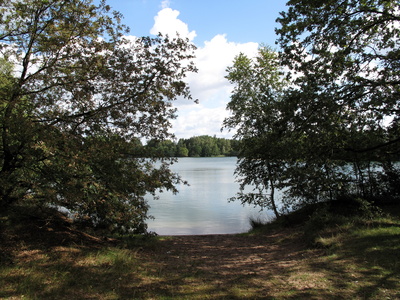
203 207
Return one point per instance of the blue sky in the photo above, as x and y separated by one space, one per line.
242 21
221 29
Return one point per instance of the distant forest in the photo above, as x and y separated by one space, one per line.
198 146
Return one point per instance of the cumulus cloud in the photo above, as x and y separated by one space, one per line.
212 61
167 22
200 120
208 85
211 88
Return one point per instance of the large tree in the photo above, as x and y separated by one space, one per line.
77 96
332 130
346 55
344 59
255 113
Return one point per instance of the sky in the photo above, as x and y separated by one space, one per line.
220 29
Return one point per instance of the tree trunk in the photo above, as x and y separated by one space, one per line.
272 188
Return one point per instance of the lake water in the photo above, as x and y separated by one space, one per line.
203 207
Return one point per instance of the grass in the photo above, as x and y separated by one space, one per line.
327 256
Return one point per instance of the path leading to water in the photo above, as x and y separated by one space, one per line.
221 264
227 254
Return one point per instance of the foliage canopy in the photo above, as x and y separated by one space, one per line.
333 128
77 95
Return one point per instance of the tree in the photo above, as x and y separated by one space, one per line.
254 105
76 98
346 51
344 60
165 148
338 110
181 149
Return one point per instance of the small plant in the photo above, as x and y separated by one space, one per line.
367 209
257 223
316 223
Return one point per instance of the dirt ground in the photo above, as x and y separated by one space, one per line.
219 254
183 267
227 254
274 264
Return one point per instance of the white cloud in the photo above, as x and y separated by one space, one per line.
165 4
212 61
209 85
199 120
167 22
211 88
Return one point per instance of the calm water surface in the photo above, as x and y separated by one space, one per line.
203 207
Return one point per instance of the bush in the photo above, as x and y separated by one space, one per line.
335 213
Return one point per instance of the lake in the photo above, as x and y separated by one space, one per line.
203 207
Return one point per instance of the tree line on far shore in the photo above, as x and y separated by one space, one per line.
197 146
